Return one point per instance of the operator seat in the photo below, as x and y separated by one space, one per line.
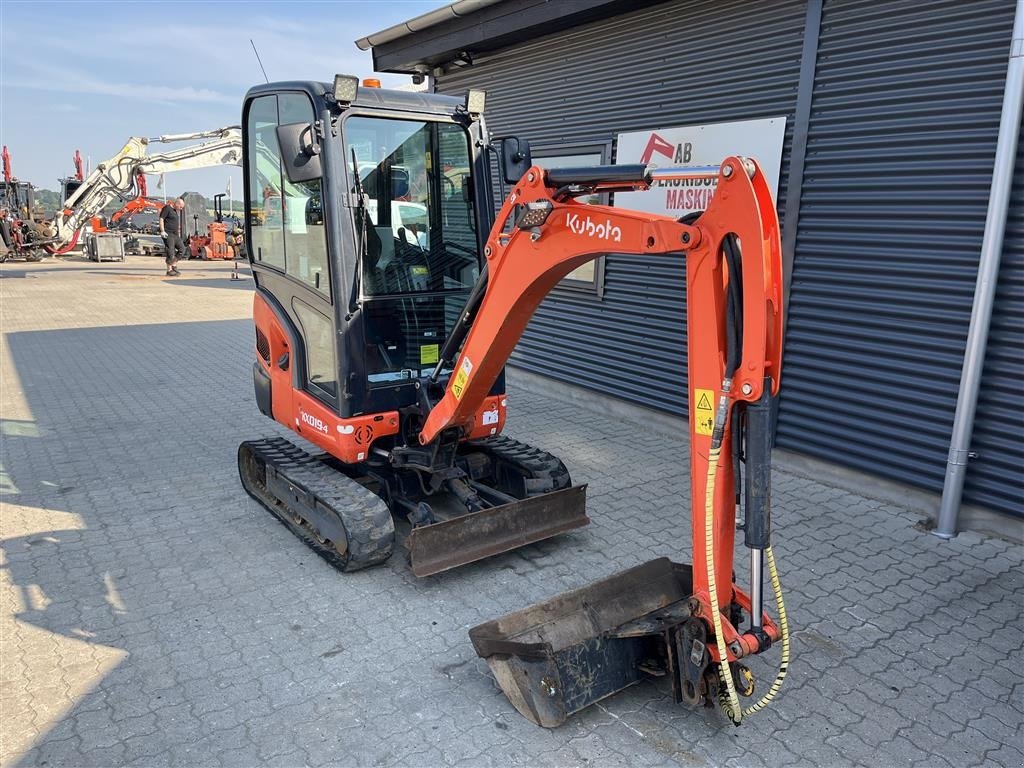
409 271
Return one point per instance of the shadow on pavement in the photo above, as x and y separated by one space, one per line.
127 448
117 267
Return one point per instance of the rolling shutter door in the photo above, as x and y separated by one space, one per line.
901 143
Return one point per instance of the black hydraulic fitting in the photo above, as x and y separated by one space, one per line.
764 640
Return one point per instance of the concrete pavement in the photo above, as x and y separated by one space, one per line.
152 614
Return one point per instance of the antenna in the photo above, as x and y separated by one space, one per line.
258 59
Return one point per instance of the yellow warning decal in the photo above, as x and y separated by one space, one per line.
461 377
428 354
703 411
419 271
459 385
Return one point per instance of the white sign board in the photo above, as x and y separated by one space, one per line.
697 145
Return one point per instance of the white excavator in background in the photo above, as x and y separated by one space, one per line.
117 177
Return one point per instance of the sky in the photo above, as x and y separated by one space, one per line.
88 75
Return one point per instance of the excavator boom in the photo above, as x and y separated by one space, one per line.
541 234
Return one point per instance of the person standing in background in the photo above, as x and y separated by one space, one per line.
5 231
170 231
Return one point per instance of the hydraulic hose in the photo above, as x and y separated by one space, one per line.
730 701
60 251
776 685
733 306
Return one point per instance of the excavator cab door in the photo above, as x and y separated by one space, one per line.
368 294
295 303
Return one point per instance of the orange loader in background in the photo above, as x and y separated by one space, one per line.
386 348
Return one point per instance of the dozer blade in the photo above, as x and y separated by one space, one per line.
466 539
562 655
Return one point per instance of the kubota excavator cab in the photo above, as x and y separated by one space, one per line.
367 214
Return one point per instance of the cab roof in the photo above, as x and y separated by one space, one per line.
368 98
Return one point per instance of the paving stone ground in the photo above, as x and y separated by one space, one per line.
152 614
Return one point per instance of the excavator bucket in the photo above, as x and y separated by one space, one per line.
560 656
468 538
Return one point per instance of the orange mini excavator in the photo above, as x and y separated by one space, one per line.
386 307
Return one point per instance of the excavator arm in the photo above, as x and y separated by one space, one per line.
117 177
139 203
734 308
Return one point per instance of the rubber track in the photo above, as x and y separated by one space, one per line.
364 515
542 471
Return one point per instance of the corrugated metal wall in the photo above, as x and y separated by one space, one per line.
996 477
737 60
901 143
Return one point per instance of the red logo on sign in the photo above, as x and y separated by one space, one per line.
659 145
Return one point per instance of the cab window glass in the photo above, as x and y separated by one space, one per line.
318 338
417 230
263 207
305 239
286 219
294 108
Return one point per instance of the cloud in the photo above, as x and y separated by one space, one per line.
69 81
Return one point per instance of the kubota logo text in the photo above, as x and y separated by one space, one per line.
314 422
606 231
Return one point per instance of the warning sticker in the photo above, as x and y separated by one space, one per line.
459 385
703 411
461 377
428 354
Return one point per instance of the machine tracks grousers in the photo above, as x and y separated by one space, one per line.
385 309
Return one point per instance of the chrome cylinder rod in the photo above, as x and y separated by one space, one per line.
756 587
684 173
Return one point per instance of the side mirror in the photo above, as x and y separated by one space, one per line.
300 152
515 159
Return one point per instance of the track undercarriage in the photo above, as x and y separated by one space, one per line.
492 496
